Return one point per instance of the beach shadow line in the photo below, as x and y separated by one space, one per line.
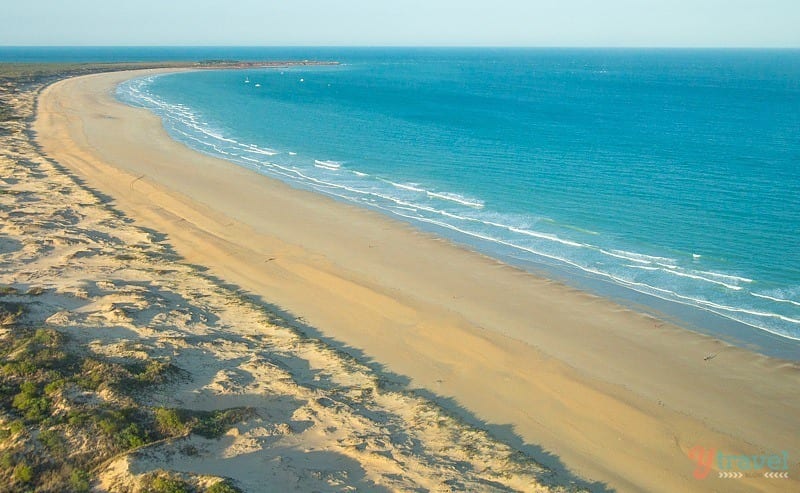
559 474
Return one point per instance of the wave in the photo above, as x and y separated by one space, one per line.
459 199
329 165
257 150
778 300
447 196
728 277
413 187
676 272
640 257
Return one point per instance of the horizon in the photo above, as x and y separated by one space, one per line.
422 47
411 23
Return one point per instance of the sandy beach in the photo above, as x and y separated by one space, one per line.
583 385
127 349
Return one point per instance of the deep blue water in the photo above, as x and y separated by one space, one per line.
672 175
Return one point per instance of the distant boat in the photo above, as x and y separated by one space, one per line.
247 80
258 85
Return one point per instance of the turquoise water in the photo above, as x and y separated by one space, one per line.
671 175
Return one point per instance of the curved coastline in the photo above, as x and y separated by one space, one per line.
766 328
570 372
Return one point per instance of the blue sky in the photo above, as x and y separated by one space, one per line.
723 23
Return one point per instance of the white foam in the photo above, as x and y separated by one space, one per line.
640 257
677 272
413 187
454 197
624 257
258 150
448 196
772 298
728 277
545 236
734 309
330 165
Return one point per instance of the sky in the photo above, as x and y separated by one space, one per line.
648 23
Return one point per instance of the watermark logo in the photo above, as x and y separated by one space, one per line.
732 466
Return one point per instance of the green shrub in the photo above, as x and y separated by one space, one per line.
214 424
16 427
28 388
47 337
131 437
79 480
77 417
30 403
23 473
54 386
22 368
36 408
223 487
169 422
94 374
110 423
165 484
120 425
6 461
154 373
54 442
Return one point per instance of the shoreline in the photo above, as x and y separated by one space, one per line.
680 310
684 315
564 370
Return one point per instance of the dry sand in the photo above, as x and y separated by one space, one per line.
612 395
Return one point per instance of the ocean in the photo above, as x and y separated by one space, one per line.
667 180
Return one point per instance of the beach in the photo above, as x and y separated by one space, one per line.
126 369
578 382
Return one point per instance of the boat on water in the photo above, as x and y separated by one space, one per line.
247 80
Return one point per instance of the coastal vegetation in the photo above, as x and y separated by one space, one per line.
65 411
55 398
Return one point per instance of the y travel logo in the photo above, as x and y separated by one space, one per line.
733 466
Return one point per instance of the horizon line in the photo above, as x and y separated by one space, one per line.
600 47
